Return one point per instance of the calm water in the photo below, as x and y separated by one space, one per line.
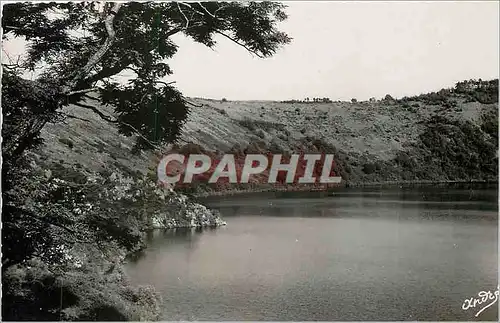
379 255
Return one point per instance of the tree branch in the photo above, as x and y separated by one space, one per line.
67 115
42 219
82 91
109 71
91 98
241 44
209 13
108 118
140 135
173 32
191 103
165 83
94 59
102 115
190 7
182 12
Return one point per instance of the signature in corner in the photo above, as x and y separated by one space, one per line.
484 297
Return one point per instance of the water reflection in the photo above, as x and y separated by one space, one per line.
383 255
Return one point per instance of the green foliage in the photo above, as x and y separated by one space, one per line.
26 107
489 123
478 90
77 61
49 218
307 100
453 150
53 217
161 115
389 98
485 92
433 98
369 168
85 292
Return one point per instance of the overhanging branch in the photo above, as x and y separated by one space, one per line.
94 109
191 103
108 118
182 13
94 59
234 40
206 10
82 91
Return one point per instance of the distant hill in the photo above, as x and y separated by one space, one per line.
451 134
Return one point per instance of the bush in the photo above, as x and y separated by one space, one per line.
80 225
248 123
485 92
224 100
451 150
489 123
253 125
369 168
82 294
67 142
222 111
261 134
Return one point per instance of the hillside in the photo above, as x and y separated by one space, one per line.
87 175
445 135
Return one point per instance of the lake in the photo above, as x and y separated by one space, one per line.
391 254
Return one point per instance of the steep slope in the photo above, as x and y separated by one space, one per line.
385 140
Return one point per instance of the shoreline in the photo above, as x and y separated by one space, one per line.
347 185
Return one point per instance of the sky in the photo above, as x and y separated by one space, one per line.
345 50
352 50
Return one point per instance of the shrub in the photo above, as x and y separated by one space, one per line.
369 168
222 111
489 123
354 100
67 142
449 104
261 134
248 123
224 100
451 149
282 137
265 125
485 92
